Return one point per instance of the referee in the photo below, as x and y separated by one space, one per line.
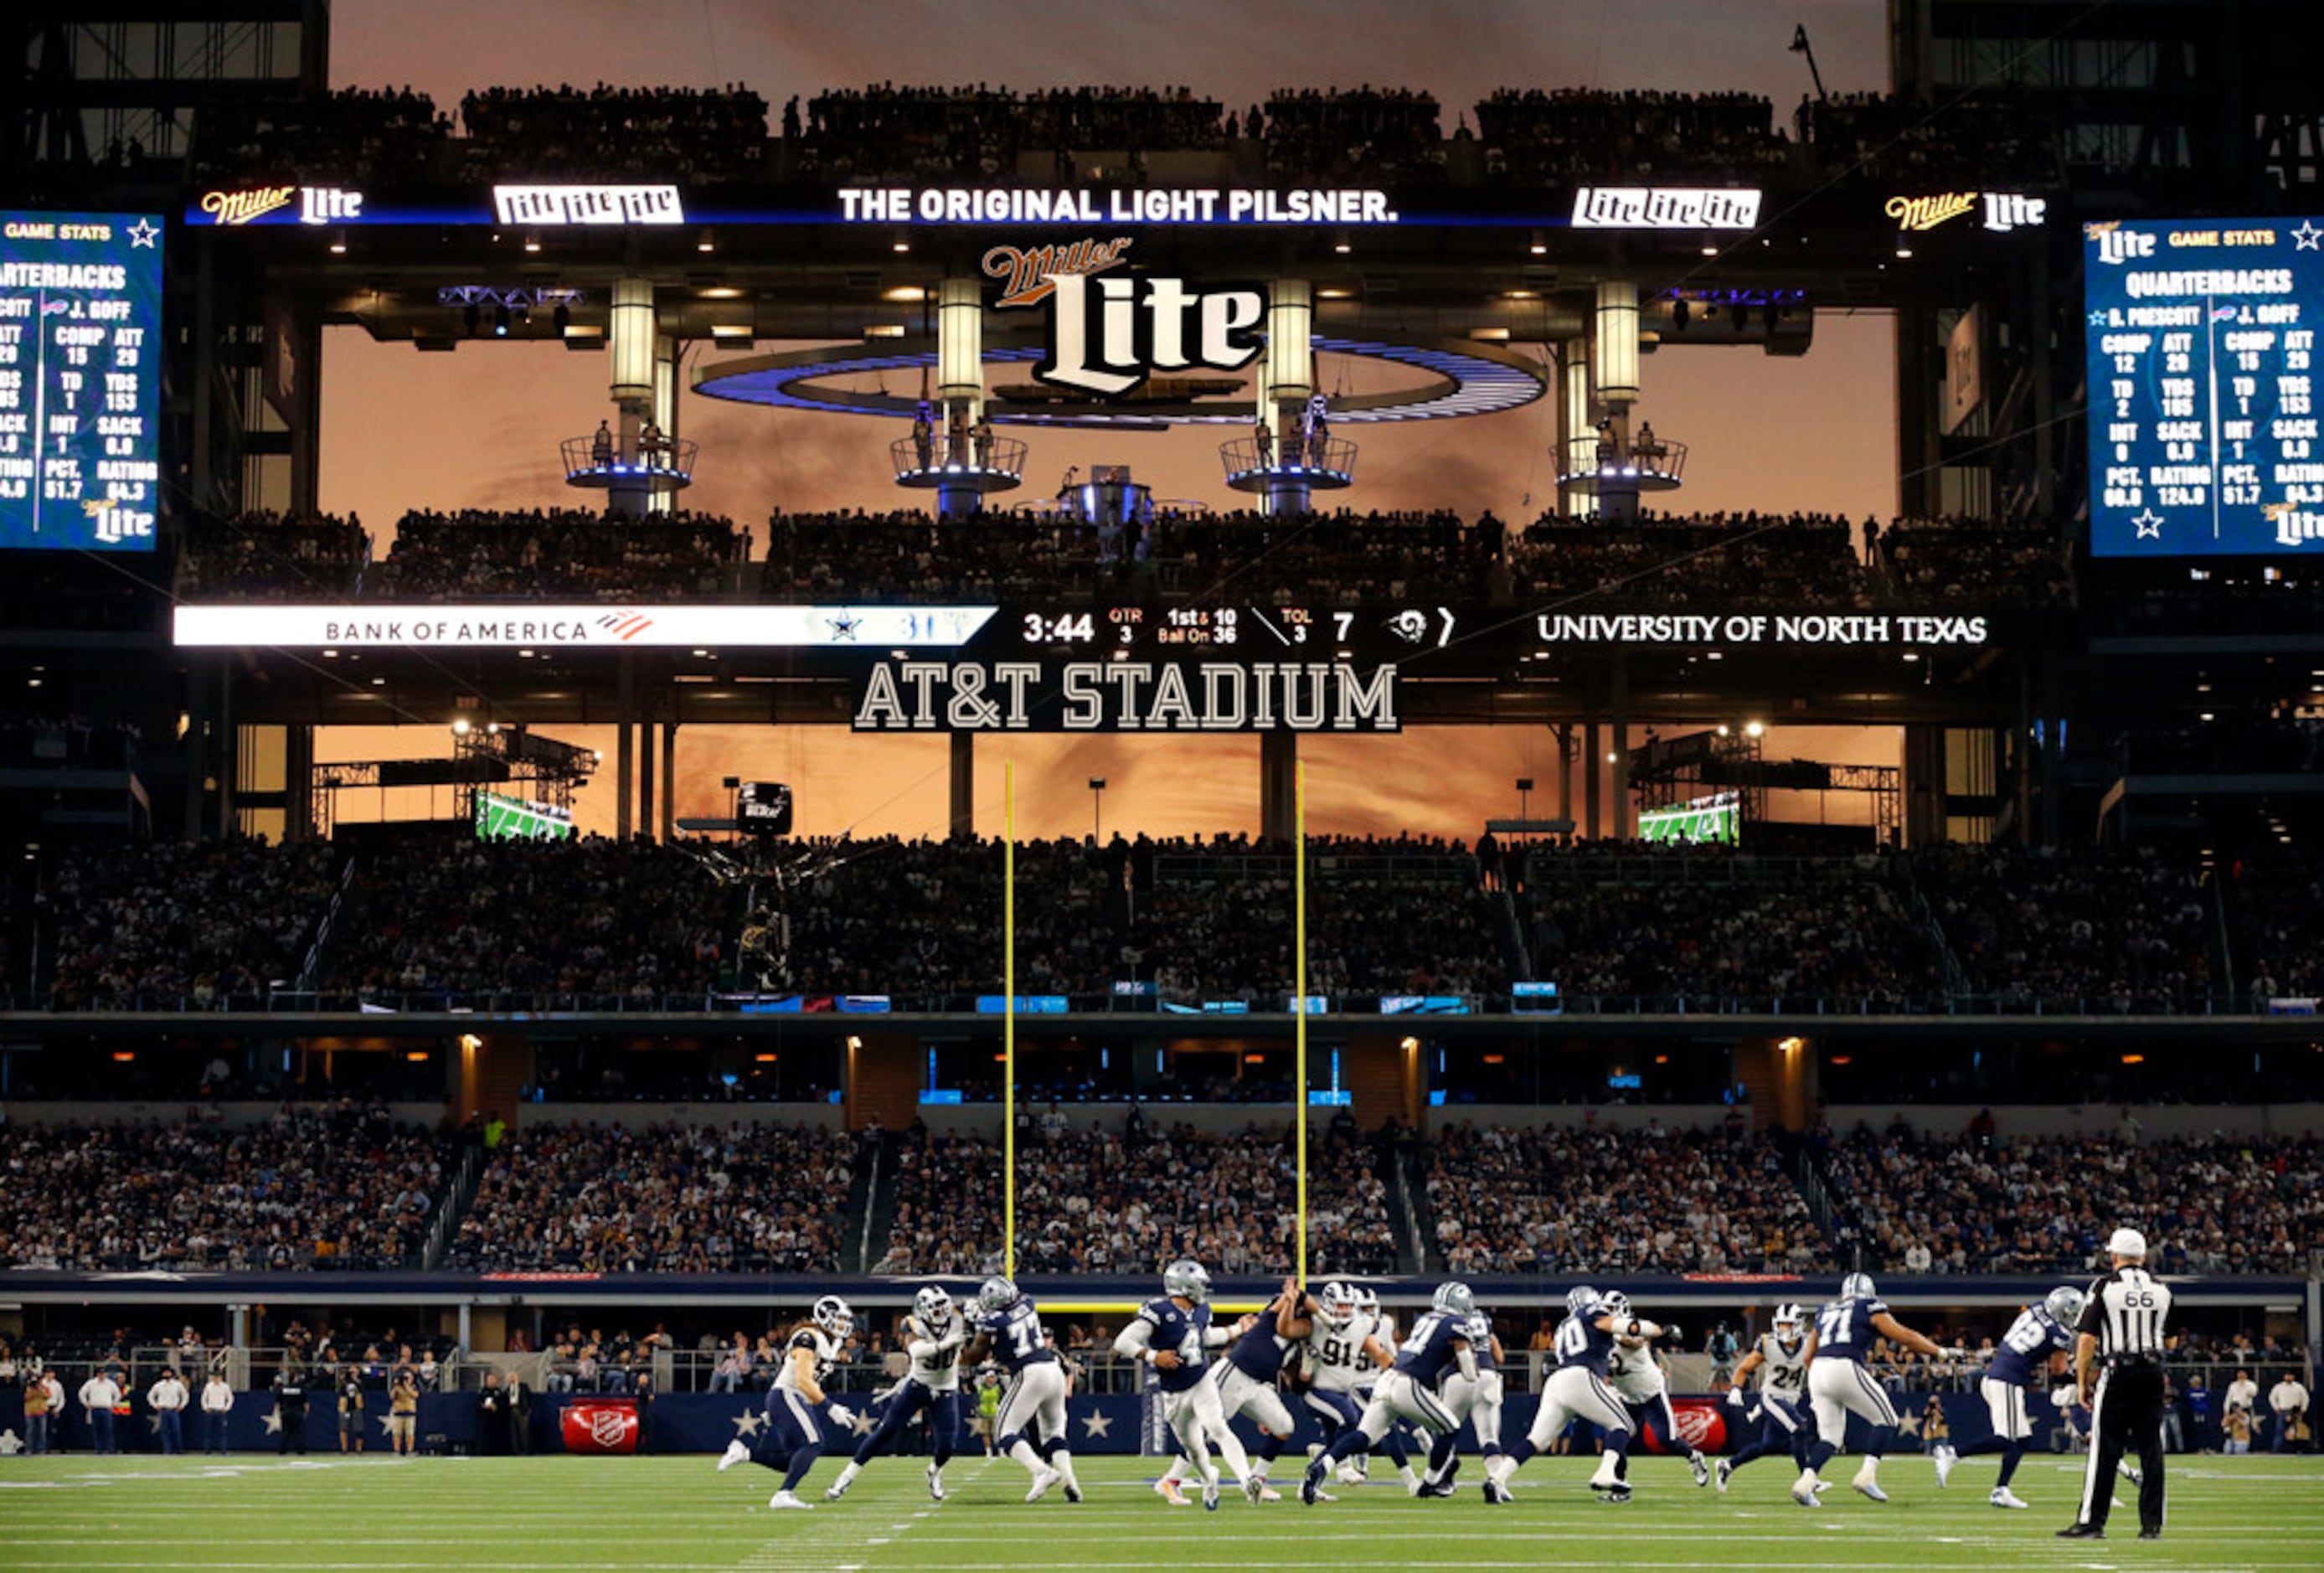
2121 1330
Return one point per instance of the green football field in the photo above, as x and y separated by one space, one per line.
677 1515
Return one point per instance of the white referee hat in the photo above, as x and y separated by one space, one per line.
2127 1243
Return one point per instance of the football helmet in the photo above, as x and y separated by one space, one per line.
1613 1303
833 1315
1340 1303
1858 1286
998 1294
1791 1316
1188 1281
1580 1298
2064 1305
932 1305
1454 1300
1367 1298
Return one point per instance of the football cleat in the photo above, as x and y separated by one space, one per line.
936 1483
1211 1495
1495 1492
1257 1490
1167 1490
1946 1458
2128 1473
834 1493
1351 1475
2150 1534
1042 1480
1695 1462
1311 1483
2003 1497
1433 1488
782 1500
1618 1492
1869 1487
735 1453
1072 1489
1722 1475
2081 1532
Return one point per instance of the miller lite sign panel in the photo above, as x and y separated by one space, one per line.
1108 334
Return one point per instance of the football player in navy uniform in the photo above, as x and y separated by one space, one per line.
792 1438
2038 1340
1839 1385
1477 1399
1248 1379
1781 1409
1577 1390
1008 1330
1411 1389
934 1335
1174 1334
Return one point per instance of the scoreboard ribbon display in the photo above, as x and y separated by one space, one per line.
80 366
2202 338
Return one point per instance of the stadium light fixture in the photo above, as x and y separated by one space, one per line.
1754 729
500 322
1539 247
705 242
338 243
532 241
460 727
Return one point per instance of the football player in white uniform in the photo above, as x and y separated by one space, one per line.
934 1334
792 1440
1345 1354
1636 1375
1781 1409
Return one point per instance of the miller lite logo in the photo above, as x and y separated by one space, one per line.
1108 335
242 207
1029 272
2117 245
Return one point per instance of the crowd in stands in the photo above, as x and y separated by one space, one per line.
991 134
192 925
266 555
690 135
1712 561
757 1197
386 137
1555 1201
1988 1203
1099 1201
315 1187
1649 928
947 1207
1962 562
572 918
486 554
2118 929
1587 135
2279 912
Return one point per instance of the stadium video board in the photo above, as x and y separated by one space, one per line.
1717 818
80 378
2202 337
502 819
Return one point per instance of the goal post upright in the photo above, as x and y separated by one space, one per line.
1299 998
1008 1018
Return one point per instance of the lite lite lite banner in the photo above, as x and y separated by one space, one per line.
1125 696
543 625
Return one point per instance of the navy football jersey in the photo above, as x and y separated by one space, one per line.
1480 1339
2024 1351
1581 1342
1017 1336
1179 1330
1427 1350
1259 1352
1844 1329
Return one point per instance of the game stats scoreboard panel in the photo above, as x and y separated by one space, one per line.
80 376
2201 339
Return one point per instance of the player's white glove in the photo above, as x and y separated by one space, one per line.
1670 1332
1735 1396
2064 1398
840 1415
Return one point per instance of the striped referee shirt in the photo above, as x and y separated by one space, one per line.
2126 1313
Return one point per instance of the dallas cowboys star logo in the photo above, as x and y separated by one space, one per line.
2307 236
748 1422
10 1444
2097 319
1908 1425
843 627
863 1423
1097 1425
2149 525
142 234
273 1418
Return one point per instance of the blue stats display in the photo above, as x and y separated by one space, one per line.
2202 338
80 377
